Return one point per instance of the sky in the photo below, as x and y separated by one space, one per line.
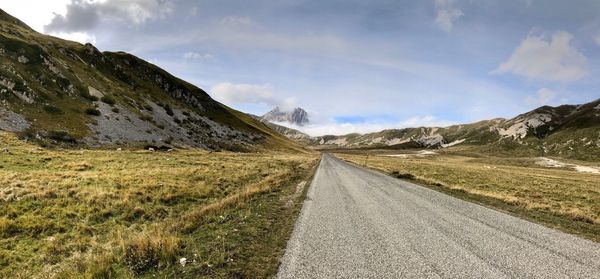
354 65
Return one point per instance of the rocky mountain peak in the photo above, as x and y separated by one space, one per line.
297 116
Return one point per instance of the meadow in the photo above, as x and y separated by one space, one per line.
560 198
136 213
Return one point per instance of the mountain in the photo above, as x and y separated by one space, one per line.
568 131
290 133
61 92
298 116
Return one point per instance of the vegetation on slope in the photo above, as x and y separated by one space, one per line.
109 214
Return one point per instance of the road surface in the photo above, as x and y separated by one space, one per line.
357 223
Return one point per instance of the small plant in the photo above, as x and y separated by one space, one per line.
53 110
115 110
169 110
145 251
403 175
92 111
108 100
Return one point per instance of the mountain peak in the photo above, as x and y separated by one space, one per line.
297 116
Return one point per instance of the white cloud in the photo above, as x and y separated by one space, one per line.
542 97
237 20
239 94
36 17
332 128
81 37
447 14
597 39
197 56
553 59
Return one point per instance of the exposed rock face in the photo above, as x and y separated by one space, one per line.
298 116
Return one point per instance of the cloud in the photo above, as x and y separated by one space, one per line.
332 127
197 56
597 39
240 94
542 97
84 15
553 59
237 20
446 14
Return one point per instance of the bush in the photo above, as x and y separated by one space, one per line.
407 176
169 110
88 96
145 251
61 136
115 110
52 110
92 111
108 100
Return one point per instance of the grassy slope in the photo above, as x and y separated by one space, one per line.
60 92
559 198
106 213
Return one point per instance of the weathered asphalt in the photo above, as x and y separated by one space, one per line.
358 223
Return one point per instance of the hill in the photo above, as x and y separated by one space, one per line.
61 92
567 131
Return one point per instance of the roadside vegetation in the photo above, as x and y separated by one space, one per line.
123 214
557 197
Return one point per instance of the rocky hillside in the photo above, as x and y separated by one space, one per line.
61 92
568 130
298 116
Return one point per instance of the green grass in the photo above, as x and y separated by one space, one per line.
108 214
560 198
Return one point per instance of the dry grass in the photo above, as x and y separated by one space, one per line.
560 198
107 214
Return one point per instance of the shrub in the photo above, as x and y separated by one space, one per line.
147 251
92 111
61 136
52 110
115 110
403 175
169 110
88 96
108 100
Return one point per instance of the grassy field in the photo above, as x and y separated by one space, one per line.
556 197
120 214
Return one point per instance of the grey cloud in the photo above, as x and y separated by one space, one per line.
83 16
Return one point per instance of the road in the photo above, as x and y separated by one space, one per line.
358 223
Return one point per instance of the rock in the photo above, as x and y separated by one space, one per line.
170 150
119 149
183 261
150 148
23 59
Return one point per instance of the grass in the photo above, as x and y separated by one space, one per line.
132 213
560 198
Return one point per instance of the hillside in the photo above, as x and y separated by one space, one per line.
568 131
61 92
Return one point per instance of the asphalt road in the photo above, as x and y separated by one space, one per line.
357 223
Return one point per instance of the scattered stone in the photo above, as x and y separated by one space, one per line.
183 261
150 148
119 149
22 59
170 150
